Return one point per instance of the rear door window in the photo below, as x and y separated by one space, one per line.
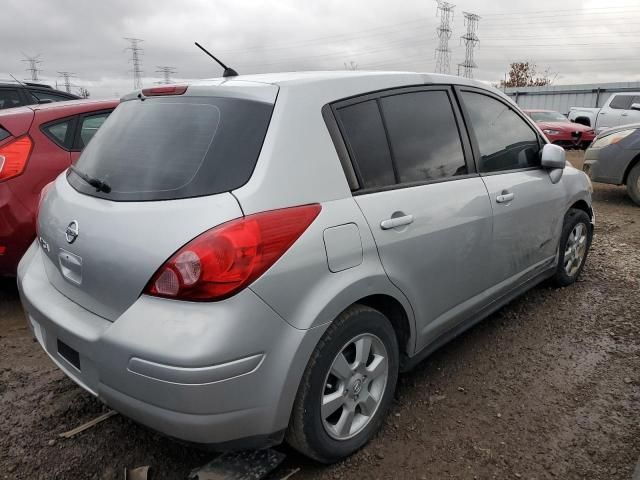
89 125
40 95
365 137
9 98
174 147
621 102
424 137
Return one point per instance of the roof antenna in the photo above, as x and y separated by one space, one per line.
228 72
24 85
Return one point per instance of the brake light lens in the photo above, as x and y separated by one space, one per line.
165 90
224 260
14 156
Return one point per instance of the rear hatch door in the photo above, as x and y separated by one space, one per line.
157 174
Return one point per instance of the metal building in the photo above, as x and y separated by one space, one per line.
562 97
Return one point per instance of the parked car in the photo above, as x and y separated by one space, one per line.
36 144
14 94
619 109
560 130
614 157
245 260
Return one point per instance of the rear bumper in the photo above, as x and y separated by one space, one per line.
17 230
221 373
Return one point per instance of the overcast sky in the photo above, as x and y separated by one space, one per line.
583 41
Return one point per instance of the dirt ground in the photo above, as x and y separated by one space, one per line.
548 387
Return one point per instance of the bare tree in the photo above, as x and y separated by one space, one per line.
84 93
351 65
524 74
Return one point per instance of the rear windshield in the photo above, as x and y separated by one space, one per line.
174 147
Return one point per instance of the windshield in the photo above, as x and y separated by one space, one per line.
173 147
548 117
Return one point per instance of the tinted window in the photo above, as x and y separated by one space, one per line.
364 135
59 132
423 133
89 126
505 140
621 102
175 147
9 98
53 97
4 134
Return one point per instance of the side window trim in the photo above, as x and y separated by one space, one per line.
69 135
472 136
350 166
75 146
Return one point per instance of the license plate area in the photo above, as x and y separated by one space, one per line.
69 354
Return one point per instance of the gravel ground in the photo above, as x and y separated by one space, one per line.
548 387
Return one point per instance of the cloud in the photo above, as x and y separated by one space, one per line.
581 41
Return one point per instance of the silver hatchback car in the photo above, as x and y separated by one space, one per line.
246 260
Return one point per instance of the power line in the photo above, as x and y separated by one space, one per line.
66 78
445 12
166 72
470 41
136 60
33 66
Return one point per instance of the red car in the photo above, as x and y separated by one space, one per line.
561 131
36 144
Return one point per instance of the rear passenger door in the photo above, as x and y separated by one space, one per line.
427 207
527 207
611 116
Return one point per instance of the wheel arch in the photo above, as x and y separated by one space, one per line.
584 206
635 161
582 120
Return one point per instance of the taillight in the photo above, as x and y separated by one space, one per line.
224 260
165 90
13 157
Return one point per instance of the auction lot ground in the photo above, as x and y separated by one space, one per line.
548 387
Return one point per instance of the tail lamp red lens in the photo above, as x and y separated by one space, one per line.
224 260
165 90
14 156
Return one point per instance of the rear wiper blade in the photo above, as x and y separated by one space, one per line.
98 184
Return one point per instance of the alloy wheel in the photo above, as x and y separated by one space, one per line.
575 249
354 386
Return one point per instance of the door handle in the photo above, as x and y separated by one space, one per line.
396 222
602 113
505 197
624 115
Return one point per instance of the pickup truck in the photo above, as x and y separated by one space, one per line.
620 109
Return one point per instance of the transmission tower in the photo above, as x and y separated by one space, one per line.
445 12
470 41
66 78
166 72
136 60
33 66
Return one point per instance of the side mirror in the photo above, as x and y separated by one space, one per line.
635 106
553 156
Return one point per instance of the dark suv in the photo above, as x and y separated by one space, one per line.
14 94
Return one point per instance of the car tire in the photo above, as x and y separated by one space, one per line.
633 184
575 242
362 393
